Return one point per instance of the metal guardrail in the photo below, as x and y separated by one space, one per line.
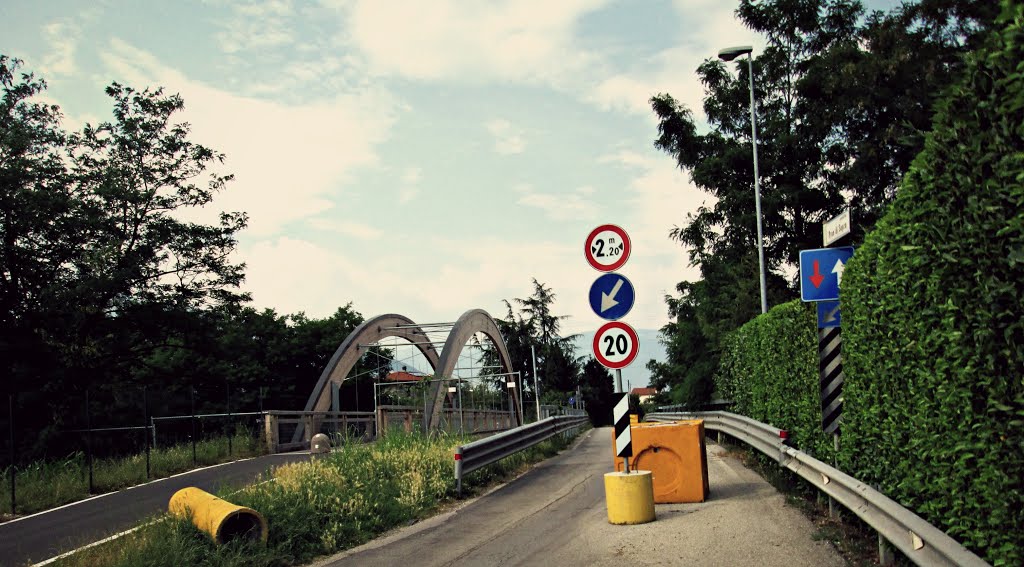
921 542
480 453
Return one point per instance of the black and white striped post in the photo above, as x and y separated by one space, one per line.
830 363
623 440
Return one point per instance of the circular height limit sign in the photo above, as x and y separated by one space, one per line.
607 248
616 344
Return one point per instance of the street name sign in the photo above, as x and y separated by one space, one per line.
821 272
607 248
836 228
616 344
612 296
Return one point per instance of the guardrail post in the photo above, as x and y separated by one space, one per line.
458 471
885 553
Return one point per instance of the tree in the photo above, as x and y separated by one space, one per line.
37 208
597 387
141 266
686 374
98 271
556 357
825 141
534 329
909 57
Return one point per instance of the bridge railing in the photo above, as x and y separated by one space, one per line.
480 453
279 427
921 542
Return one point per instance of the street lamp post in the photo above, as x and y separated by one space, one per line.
728 54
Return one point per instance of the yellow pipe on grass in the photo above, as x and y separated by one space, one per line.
222 520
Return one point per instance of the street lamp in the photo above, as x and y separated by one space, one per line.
728 54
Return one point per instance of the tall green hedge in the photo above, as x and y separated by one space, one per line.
933 319
769 368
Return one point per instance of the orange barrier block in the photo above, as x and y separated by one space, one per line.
676 456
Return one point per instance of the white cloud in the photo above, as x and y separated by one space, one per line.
289 160
412 175
559 207
410 188
257 25
470 41
709 26
407 194
62 38
507 139
292 275
357 230
662 196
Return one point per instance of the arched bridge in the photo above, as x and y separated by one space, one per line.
443 364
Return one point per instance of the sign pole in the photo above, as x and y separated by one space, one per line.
536 392
623 437
618 380
14 469
830 365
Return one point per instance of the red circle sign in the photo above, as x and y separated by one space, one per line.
616 344
607 248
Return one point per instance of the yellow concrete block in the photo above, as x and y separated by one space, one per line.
222 520
630 497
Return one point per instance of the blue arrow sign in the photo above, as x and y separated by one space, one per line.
821 272
829 314
611 296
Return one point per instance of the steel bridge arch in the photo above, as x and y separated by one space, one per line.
393 325
470 323
349 352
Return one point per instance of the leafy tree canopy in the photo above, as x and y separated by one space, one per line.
843 101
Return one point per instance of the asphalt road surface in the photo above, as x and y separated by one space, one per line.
556 515
42 536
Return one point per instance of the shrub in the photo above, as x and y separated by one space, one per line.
934 324
769 368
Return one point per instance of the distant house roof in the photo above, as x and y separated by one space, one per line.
643 391
402 377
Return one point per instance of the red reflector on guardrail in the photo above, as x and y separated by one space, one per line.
458 456
783 434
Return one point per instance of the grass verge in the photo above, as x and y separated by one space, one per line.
324 506
44 485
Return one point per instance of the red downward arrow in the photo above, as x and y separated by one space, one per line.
817 278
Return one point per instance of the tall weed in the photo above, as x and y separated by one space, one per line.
330 503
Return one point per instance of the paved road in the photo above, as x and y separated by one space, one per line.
556 515
39 537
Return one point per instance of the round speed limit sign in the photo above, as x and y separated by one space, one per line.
607 248
616 345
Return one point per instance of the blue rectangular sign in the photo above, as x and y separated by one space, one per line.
821 272
828 314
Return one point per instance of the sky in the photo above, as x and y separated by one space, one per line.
412 157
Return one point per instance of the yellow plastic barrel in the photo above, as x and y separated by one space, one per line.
222 520
630 497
